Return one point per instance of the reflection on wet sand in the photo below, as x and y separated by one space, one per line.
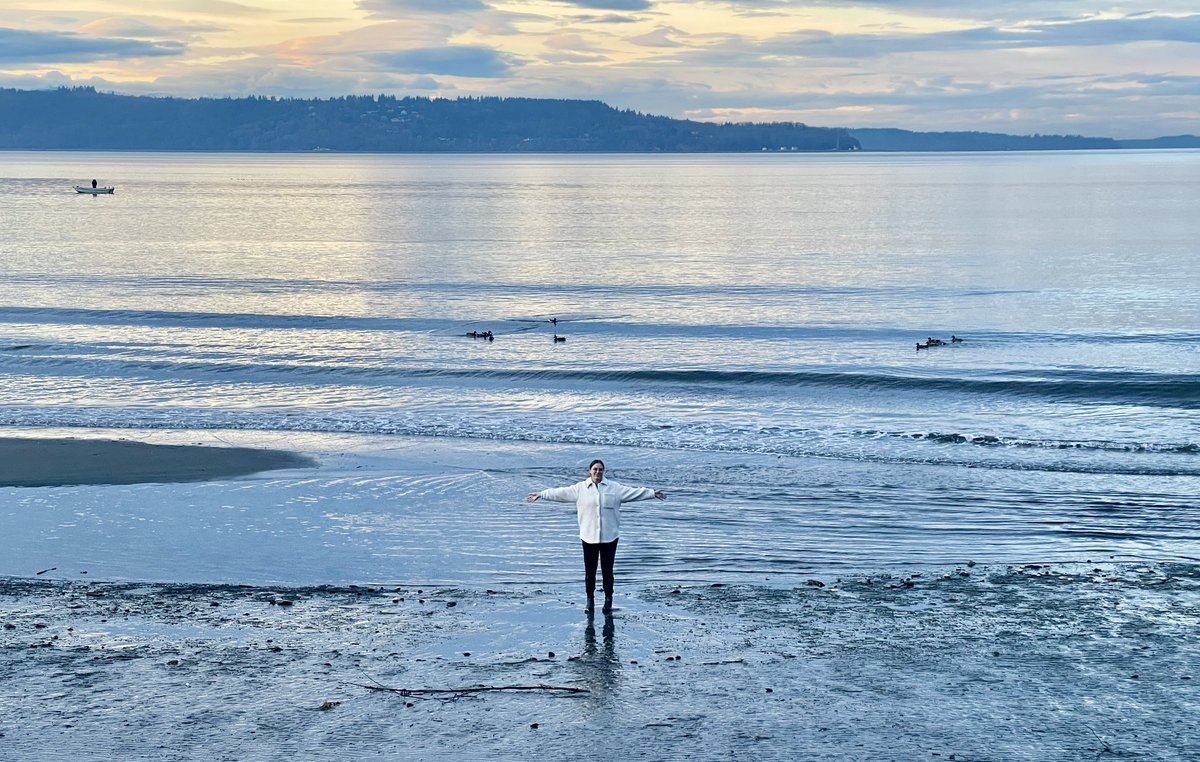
609 632
599 660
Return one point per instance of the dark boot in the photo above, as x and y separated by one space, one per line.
590 606
607 604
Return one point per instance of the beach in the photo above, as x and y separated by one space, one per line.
1055 662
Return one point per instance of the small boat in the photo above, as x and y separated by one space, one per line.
93 191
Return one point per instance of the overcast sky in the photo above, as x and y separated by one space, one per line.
1119 69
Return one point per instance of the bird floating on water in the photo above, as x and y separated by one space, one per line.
932 342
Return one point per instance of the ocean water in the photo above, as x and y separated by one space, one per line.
740 332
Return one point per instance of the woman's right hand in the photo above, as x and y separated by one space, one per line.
533 497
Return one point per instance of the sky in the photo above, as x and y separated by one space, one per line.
1120 69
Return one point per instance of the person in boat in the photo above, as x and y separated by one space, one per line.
598 507
93 183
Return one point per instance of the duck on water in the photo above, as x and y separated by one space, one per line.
932 342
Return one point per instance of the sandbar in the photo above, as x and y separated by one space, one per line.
46 462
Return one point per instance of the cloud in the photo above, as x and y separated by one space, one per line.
52 79
573 57
1108 106
1124 30
21 46
1021 65
392 8
376 38
611 5
566 41
143 29
1007 12
571 48
816 44
658 38
219 8
608 18
466 15
452 60
1087 32
258 76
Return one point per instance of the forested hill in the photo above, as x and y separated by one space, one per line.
81 118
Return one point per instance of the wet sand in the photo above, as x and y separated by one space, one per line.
1045 661
38 462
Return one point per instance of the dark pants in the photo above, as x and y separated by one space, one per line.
606 554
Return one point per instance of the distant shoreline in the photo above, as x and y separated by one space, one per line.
542 154
37 462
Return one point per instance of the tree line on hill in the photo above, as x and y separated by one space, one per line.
82 118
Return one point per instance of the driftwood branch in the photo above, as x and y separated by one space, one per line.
449 694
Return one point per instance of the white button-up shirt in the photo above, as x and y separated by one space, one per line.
598 506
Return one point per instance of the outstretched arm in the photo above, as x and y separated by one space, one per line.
632 494
556 494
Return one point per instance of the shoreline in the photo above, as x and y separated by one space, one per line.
61 462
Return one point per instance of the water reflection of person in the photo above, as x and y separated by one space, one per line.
599 666
609 632
598 506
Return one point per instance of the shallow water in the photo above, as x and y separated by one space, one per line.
446 511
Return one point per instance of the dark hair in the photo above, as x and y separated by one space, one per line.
594 462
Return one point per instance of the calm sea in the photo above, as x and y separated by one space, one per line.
740 331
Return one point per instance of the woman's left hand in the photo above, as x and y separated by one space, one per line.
660 494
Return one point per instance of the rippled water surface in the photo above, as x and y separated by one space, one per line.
740 331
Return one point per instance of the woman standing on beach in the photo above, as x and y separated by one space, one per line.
598 505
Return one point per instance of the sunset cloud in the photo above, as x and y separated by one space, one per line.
456 60
21 46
